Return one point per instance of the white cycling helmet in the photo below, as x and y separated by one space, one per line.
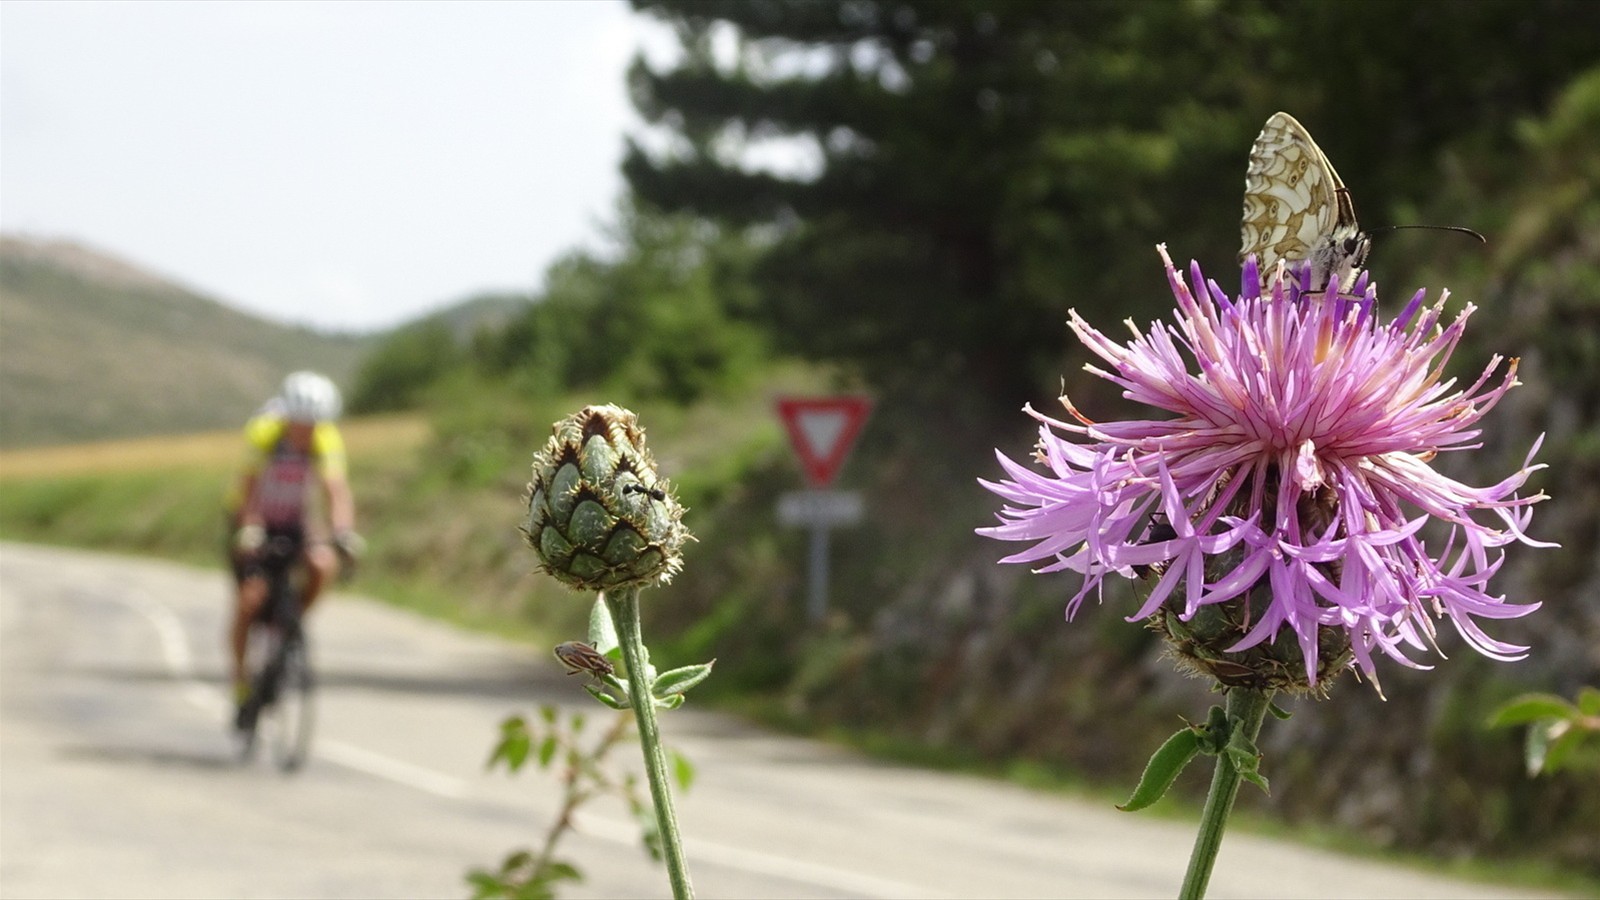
309 397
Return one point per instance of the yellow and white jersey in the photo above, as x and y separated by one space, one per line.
283 474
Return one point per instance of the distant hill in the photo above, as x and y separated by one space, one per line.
94 347
480 311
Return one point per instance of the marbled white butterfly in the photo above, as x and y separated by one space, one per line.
1297 209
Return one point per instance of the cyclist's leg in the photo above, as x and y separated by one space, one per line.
322 566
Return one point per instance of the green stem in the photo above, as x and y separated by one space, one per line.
1247 708
625 612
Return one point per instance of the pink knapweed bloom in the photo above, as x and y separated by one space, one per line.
1296 459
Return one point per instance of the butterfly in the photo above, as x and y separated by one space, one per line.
1296 208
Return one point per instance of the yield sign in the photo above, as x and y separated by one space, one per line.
822 430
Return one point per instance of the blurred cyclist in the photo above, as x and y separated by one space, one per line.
294 446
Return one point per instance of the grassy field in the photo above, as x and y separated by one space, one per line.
210 451
162 496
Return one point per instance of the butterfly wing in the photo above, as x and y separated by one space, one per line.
1295 206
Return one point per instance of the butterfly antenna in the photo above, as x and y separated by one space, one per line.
1456 228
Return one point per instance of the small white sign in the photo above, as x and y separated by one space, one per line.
826 508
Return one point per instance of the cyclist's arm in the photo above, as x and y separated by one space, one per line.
341 503
328 446
249 509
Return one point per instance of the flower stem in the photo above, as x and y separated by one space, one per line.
1246 707
625 612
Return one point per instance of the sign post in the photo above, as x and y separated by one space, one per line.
822 430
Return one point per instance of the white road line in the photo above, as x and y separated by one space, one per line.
179 661
398 771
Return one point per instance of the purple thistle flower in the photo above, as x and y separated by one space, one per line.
1291 483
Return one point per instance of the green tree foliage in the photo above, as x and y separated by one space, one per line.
984 166
663 318
396 373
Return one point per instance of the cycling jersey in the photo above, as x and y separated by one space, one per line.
283 474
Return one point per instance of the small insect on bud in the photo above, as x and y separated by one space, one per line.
653 493
579 658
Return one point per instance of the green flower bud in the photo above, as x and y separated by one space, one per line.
598 515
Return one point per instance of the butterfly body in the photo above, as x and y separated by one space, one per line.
1297 209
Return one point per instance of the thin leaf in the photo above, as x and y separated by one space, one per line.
1214 734
562 871
606 698
602 630
679 681
1535 746
1163 769
1245 757
1278 712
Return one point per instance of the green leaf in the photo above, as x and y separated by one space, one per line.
1278 712
1213 735
1589 701
517 860
679 681
649 831
1248 765
672 702
562 871
486 885
1244 756
682 769
1535 746
1163 769
602 630
1563 743
1530 708
606 698
515 742
548 713
547 751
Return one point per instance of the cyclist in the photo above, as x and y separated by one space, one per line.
294 446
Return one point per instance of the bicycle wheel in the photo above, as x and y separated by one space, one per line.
260 646
292 712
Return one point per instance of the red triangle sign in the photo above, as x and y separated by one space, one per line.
823 430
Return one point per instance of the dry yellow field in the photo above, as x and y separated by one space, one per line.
219 450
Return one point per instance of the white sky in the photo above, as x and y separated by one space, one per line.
346 165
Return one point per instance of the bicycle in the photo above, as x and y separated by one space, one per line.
278 661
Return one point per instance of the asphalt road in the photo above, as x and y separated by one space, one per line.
117 777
